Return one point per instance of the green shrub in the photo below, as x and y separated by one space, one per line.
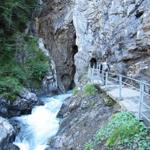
28 65
88 146
123 131
89 89
124 128
36 64
15 14
9 87
12 69
21 60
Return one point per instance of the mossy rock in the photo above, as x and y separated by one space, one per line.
109 101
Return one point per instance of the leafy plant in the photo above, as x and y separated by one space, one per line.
15 14
124 131
36 64
89 89
9 87
88 146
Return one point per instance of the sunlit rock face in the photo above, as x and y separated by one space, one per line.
117 29
57 30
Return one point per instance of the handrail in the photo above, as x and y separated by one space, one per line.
146 105
131 86
140 87
130 78
125 77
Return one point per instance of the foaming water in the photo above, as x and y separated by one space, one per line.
40 125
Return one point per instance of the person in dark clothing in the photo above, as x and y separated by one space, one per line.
101 68
104 69
93 63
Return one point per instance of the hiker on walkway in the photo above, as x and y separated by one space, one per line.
104 68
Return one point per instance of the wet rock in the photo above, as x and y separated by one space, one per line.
26 94
7 135
11 147
3 107
67 107
24 102
15 124
22 105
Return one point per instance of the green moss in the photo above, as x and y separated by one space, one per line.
108 100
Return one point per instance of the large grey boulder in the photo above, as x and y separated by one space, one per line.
22 105
7 135
24 102
26 94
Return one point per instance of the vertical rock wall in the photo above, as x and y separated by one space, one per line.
57 30
117 29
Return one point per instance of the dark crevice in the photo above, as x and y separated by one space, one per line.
139 13
74 51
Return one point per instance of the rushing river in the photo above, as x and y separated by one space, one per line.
40 125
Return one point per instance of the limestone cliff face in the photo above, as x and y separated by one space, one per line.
118 29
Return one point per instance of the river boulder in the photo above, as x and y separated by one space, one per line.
22 105
7 135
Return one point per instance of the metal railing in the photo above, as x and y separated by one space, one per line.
121 81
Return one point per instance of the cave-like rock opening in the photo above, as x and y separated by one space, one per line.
93 62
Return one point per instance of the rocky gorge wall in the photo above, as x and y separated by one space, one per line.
57 29
116 29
